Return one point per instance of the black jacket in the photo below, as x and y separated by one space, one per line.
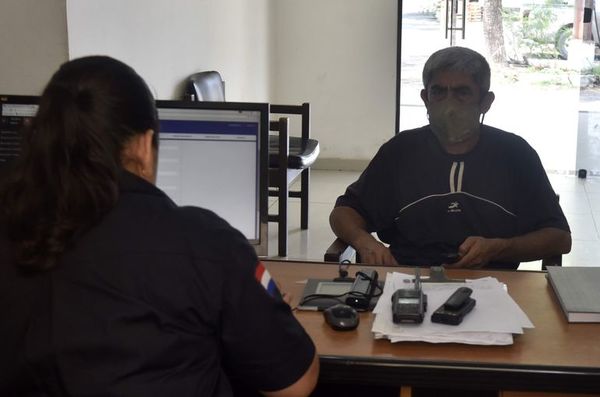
156 300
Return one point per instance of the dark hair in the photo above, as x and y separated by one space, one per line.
66 177
458 59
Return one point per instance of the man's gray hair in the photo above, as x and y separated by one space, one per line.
458 59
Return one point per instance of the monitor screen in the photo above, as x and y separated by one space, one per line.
15 112
214 155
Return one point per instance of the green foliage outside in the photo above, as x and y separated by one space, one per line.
531 32
594 73
531 42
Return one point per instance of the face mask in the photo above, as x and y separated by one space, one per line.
453 122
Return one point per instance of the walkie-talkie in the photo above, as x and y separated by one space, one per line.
409 304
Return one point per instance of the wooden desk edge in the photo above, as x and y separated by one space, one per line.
453 375
399 372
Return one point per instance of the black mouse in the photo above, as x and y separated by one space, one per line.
341 317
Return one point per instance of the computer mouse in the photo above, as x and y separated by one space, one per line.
341 317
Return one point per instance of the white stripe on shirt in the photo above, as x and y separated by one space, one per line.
452 171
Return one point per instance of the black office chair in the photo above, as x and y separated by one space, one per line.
290 157
205 86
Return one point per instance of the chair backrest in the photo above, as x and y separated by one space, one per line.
301 110
205 86
303 151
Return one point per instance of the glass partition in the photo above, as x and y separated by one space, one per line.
545 69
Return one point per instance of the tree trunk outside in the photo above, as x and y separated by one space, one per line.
493 30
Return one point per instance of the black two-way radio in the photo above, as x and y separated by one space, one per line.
409 304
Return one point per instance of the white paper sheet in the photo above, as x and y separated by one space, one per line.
493 320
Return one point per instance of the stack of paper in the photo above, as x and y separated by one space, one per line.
493 320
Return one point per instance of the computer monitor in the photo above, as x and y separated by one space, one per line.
214 155
15 112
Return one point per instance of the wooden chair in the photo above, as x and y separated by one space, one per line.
290 157
278 177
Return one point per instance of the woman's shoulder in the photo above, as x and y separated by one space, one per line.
151 213
198 218
195 222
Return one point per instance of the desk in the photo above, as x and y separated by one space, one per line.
554 356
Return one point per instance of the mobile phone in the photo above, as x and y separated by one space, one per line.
458 305
451 257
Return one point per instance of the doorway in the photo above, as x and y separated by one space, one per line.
546 95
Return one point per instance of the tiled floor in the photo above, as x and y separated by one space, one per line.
579 198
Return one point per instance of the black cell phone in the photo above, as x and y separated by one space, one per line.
451 257
458 305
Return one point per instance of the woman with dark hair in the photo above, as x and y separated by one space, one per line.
106 286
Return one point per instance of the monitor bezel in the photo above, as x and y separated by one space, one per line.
19 99
260 245
12 99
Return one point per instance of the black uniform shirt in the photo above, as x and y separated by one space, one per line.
156 300
425 202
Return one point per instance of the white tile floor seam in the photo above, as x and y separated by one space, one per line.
579 198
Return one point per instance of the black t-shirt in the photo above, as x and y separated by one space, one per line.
424 202
156 300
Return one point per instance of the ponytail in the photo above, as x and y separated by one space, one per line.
66 178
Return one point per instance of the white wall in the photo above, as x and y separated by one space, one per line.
166 41
33 43
339 55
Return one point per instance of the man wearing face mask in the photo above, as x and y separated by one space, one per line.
455 192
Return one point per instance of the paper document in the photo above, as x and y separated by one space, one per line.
493 320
